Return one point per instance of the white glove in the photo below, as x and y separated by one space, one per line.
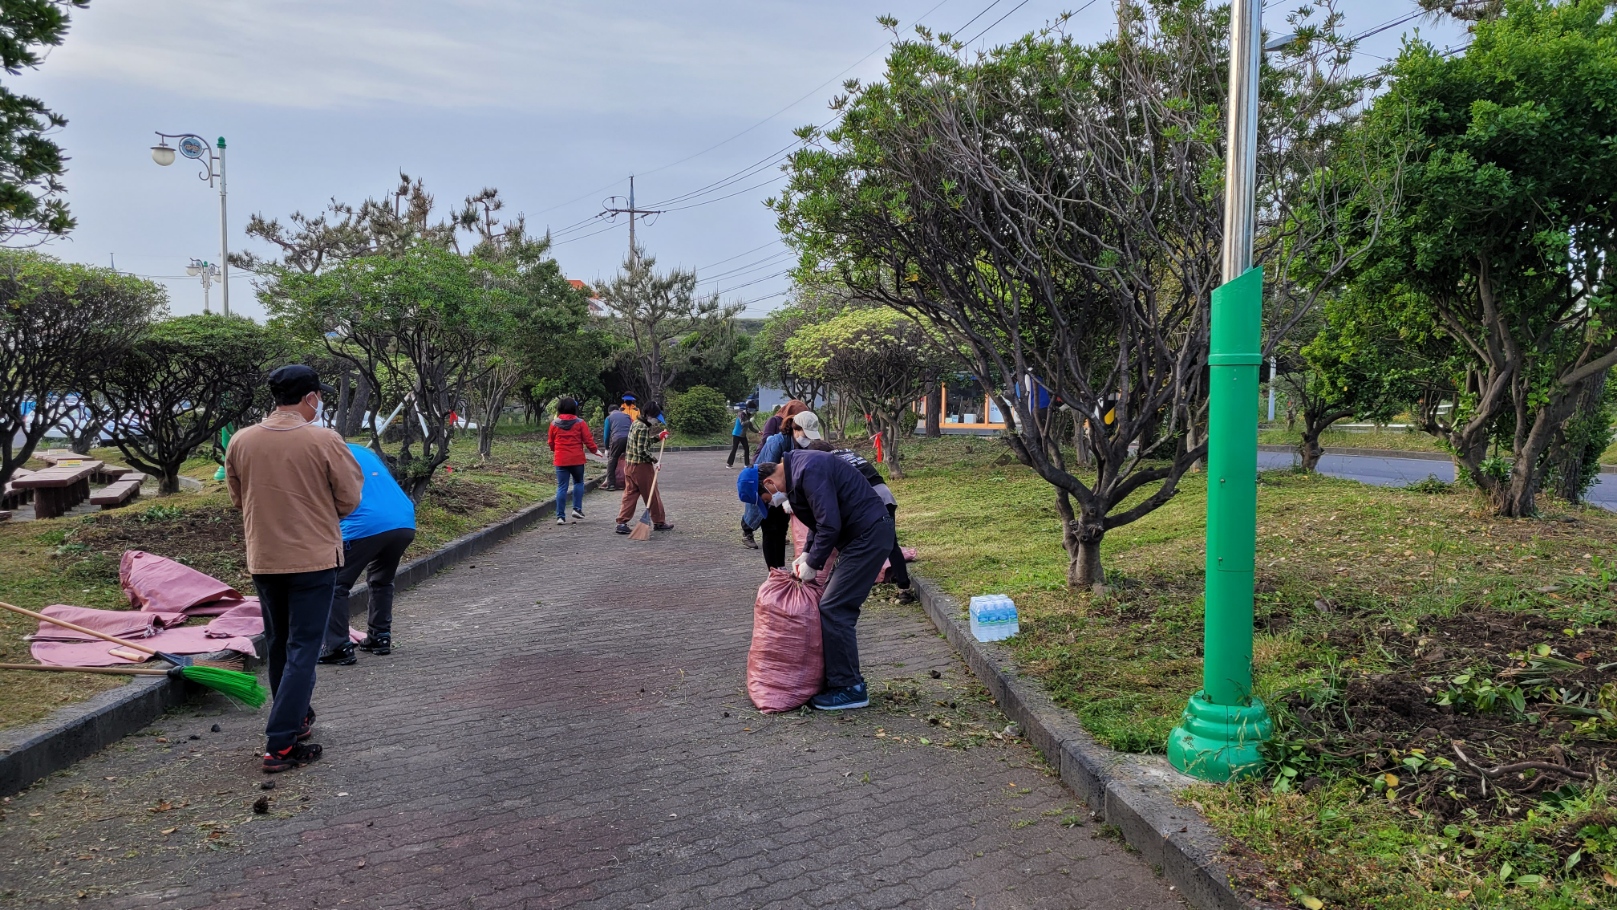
802 569
786 506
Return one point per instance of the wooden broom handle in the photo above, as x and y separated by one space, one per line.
116 671
658 473
78 628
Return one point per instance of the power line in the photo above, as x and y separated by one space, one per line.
736 256
996 22
768 263
976 17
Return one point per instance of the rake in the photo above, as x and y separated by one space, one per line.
177 660
642 528
240 686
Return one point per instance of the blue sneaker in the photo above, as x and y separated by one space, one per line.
841 699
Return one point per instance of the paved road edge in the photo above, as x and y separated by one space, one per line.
1133 792
76 732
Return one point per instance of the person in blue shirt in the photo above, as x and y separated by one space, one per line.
374 538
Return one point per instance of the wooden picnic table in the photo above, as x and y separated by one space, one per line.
59 488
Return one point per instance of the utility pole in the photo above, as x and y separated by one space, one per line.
633 213
1224 727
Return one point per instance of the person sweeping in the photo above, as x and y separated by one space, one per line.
835 501
640 471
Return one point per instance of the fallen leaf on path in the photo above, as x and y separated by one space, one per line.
164 806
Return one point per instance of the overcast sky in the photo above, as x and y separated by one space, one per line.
554 103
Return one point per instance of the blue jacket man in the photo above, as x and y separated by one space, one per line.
374 538
843 513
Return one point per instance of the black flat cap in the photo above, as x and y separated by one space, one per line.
296 380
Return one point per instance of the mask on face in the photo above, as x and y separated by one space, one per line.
777 500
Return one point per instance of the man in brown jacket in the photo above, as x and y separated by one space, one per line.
293 481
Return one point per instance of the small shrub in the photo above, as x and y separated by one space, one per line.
698 410
1431 486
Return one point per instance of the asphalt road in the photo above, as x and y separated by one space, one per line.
1396 472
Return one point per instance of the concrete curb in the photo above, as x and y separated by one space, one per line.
1133 792
76 732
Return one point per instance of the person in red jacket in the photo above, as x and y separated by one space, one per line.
569 437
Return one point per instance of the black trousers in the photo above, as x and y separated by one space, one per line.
296 606
614 454
852 577
739 442
899 574
378 557
776 527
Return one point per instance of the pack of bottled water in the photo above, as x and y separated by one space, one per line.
993 617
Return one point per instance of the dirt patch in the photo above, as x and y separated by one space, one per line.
207 538
1481 715
462 497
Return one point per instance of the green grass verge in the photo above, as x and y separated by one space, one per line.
74 560
1351 582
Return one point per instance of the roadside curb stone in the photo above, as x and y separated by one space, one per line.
1133 792
75 732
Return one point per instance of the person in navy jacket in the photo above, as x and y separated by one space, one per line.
374 538
835 501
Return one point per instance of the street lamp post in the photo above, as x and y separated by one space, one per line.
207 271
213 165
1224 726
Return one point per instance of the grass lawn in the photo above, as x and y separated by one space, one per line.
74 560
1391 625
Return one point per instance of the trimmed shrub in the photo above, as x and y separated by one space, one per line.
698 410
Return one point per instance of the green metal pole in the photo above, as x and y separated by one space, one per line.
1224 727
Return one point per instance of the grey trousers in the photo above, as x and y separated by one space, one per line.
852 577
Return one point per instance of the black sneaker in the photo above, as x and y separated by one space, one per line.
342 656
623 528
307 730
749 541
841 699
906 596
377 644
663 526
291 757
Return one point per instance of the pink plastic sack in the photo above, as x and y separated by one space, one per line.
800 533
159 585
786 663
909 556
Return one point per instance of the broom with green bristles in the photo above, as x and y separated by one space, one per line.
224 676
232 683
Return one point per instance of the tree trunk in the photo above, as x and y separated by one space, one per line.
1082 538
934 411
1578 442
893 466
168 482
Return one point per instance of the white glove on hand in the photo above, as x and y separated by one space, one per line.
786 506
802 569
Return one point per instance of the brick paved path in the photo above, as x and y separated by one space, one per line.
566 725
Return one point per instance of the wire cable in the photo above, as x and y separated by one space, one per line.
996 22
737 256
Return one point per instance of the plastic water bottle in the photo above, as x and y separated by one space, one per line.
993 617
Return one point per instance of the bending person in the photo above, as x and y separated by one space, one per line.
842 513
374 538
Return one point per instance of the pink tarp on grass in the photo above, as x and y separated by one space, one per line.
232 632
167 594
161 585
131 624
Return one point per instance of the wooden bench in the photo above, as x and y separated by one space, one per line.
120 492
58 489
5 516
12 496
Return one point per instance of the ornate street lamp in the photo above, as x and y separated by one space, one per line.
213 165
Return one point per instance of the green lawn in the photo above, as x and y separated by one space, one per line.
74 560
1369 602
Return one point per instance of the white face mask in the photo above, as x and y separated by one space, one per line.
777 500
